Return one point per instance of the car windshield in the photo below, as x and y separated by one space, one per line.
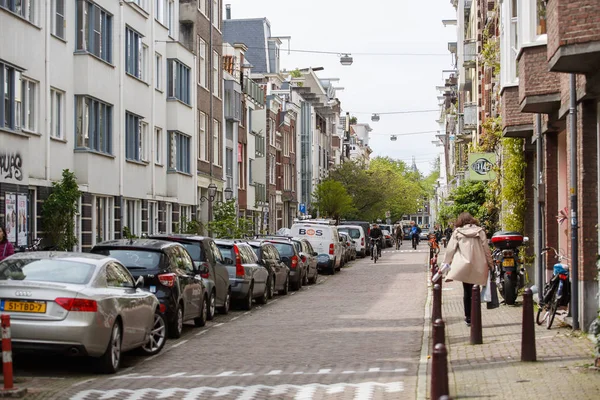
226 251
352 232
44 270
134 258
285 250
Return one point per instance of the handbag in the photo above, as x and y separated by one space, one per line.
486 295
495 302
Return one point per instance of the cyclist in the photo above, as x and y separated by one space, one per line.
376 234
399 234
415 231
448 233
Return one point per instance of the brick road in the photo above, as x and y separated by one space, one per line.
494 369
355 335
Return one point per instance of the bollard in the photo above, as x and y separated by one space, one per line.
476 334
528 352
7 368
436 313
439 371
439 332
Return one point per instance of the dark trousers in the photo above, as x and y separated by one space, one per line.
468 290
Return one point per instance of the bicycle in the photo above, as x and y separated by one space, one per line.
375 250
398 242
557 292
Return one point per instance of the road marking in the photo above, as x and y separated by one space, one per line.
247 312
220 324
273 301
362 391
234 318
175 375
83 382
373 369
202 332
275 372
179 344
226 373
324 371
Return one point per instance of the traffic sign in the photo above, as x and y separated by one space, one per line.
302 208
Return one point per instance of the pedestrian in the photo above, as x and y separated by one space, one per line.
468 257
6 247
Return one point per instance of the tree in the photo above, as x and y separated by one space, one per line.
332 199
226 224
58 212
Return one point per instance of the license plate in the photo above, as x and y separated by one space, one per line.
38 307
509 262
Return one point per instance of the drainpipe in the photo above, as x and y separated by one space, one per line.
574 228
211 124
538 196
47 93
121 143
151 138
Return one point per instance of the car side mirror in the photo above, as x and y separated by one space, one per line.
139 282
204 270
526 239
303 257
315 253
285 259
228 261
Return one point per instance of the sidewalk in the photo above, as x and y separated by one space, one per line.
494 369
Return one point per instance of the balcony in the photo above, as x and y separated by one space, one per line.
254 91
232 101
470 53
470 116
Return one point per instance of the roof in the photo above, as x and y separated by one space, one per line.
60 255
151 244
254 33
170 236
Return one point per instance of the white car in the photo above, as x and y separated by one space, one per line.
325 240
357 234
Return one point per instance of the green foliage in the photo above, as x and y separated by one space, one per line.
127 233
332 199
58 212
468 197
353 121
513 184
226 224
297 74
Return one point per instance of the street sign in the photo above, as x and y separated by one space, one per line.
388 214
302 208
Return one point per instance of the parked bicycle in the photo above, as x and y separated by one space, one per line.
557 292
35 246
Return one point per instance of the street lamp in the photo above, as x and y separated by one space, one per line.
212 193
375 117
346 59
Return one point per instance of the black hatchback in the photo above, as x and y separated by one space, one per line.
169 273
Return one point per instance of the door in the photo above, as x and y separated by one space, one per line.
279 266
221 273
190 286
312 260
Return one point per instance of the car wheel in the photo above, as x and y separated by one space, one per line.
176 325
211 306
158 336
286 286
111 359
313 280
247 301
201 320
225 309
265 296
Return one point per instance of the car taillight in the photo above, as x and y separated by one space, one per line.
72 304
167 280
205 275
331 249
362 241
162 308
303 259
294 261
563 277
240 272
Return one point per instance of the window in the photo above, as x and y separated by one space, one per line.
58 18
259 143
171 17
202 69
179 81
272 167
158 145
56 113
94 30
169 218
28 106
250 171
286 143
24 8
152 218
229 163
240 166
202 139
93 124
185 217
134 137
103 219
272 132
141 3
10 97
514 39
216 18
202 6
158 68
132 216
117 276
216 88
135 54
179 152
162 11
216 142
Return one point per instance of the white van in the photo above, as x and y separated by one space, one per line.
357 234
325 240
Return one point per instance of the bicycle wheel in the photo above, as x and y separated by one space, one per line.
375 253
542 311
552 313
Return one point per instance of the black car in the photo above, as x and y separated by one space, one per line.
290 255
309 257
279 273
169 273
205 253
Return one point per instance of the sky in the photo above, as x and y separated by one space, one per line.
373 83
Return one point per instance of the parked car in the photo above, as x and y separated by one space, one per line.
325 240
206 254
357 234
424 233
289 251
309 257
279 273
366 230
169 273
248 279
79 304
350 248
387 238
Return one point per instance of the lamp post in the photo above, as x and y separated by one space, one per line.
212 194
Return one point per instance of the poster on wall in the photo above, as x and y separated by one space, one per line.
22 220
10 208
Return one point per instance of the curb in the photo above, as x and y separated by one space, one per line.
424 359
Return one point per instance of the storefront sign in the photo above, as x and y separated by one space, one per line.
481 166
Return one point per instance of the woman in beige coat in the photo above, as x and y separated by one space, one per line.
469 257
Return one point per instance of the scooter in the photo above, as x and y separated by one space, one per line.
507 270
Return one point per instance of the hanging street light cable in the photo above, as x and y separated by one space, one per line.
396 112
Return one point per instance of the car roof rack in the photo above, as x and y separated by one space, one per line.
318 221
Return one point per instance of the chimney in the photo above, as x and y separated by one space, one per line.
227 11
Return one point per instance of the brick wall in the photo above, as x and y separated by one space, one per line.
565 90
534 77
529 228
550 173
571 22
511 116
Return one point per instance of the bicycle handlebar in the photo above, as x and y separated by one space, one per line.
557 254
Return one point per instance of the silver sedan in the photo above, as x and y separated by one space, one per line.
79 304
